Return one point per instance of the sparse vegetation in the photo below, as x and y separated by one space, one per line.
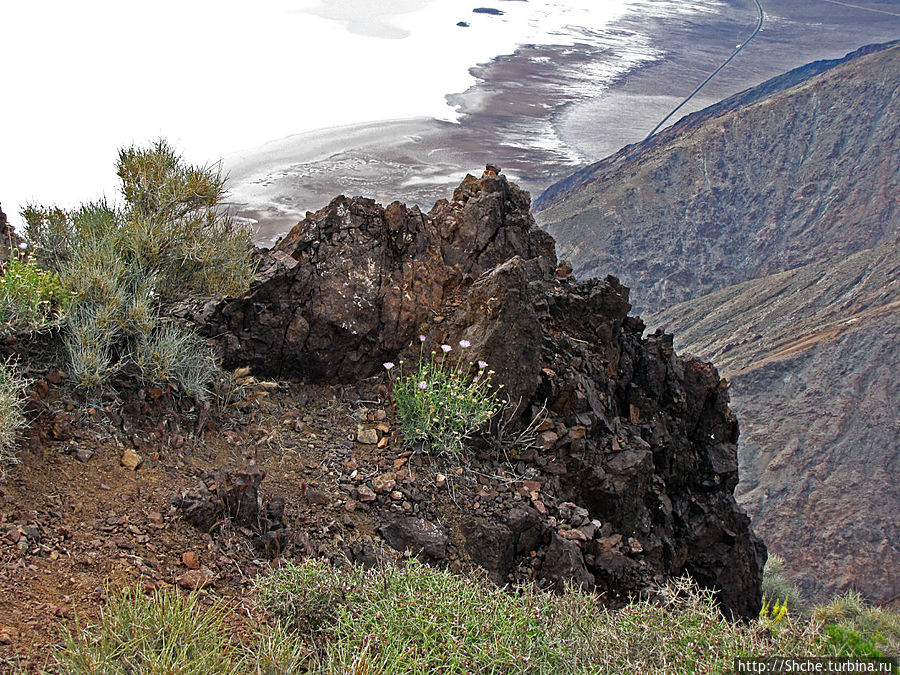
859 629
415 619
444 400
171 633
12 421
778 587
125 267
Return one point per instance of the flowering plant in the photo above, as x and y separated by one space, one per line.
444 400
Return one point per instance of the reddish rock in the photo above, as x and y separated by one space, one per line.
190 560
193 580
365 494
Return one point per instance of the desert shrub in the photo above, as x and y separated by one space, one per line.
416 619
857 629
30 297
167 632
443 400
12 419
777 586
125 267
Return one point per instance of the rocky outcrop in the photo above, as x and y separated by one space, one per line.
800 168
638 440
9 238
348 287
628 478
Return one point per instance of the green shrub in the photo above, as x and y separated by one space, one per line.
416 619
30 297
126 267
167 634
777 587
849 642
12 419
854 625
444 400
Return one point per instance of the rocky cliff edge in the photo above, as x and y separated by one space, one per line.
630 475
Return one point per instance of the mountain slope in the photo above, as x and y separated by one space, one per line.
811 355
803 167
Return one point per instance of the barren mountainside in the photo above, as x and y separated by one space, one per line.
769 180
811 356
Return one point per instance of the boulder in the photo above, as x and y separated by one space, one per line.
417 536
350 286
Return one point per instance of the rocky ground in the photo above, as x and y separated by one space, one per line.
613 467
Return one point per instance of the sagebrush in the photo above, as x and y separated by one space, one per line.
125 267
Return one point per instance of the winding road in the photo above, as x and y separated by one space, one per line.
737 51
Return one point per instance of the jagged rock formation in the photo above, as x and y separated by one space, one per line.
800 168
632 475
348 287
812 358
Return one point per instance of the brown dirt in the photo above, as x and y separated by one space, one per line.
72 530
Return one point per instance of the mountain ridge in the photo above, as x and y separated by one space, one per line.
802 174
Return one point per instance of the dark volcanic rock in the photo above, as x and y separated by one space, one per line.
495 544
417 536
564 562
654 458
636 462
349 286
234 497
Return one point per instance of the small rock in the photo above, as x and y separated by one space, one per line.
539 507
131 460
84 454
195 579
384 483
399 462
577 432
365 494
589 530
397 496
635 545
190 560
317 497
573 535
367 436
383 443
380 415
156 518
